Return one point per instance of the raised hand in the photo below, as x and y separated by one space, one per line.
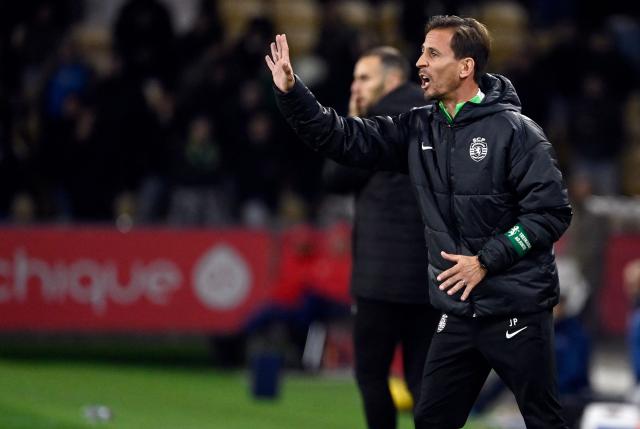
280 65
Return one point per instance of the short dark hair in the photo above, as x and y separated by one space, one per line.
470 39
391 58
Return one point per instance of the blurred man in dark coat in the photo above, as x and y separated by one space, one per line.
389 277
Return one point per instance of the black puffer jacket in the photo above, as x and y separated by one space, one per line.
475 180
389 250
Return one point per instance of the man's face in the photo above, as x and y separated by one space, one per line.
439 70
368 85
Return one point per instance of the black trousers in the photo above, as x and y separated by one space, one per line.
379 327
463 351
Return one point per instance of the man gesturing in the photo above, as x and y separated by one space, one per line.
493 202
467 272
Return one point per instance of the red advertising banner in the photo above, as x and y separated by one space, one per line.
145 280
615 303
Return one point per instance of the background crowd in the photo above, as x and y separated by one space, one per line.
149 111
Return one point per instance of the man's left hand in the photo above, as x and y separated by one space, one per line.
466 274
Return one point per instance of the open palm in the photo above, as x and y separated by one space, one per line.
280 65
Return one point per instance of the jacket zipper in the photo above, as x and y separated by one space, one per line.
456 235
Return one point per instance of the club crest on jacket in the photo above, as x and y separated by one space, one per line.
442 323
478 149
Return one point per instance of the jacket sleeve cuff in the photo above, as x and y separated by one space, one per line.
298 102
504 250
498 254
296 92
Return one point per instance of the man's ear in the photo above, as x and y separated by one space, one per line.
392 80
467 67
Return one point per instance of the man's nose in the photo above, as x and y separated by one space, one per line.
422 62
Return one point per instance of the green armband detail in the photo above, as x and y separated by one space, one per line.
519 239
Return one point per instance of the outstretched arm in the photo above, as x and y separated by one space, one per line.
379 143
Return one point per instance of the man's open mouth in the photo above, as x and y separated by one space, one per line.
424 81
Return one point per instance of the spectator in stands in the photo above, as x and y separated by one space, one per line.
258 165
596 134
64 101
199 195
144 39
205 34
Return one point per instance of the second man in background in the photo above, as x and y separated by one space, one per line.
389 280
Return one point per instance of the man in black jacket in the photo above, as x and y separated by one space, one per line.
389 276
493 202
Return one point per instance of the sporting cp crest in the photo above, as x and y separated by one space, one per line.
443 323
478 149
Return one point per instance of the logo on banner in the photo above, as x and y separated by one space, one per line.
88 281
221 278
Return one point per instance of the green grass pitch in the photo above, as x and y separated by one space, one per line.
37 394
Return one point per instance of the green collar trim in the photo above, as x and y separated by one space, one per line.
477 99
